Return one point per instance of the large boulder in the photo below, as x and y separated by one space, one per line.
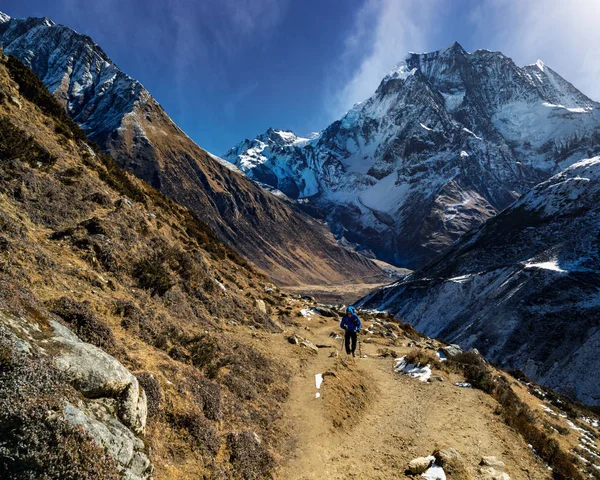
112 407
97 374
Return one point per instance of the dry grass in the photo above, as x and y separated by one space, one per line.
420 356
134 273
346 393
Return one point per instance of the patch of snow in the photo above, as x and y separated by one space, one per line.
4 18
540 64
464 385
306 312
461 279
426 127
401 72
435 472
549 265
470 132
548 410
318 380
226 164
453 100
416 371
317 395
463 154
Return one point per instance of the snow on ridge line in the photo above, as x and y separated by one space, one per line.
400 71
549 265
4 17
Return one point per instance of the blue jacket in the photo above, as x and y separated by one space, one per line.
351 323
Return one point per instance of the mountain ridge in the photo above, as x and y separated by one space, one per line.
447 140
119 114
522 287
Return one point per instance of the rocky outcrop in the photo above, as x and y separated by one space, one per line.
96 374
111 407
522 288
448 140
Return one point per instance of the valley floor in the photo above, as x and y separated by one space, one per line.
369 422
337 293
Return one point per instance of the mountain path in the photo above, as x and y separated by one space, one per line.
403 419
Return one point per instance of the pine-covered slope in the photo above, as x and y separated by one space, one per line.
448 140
524 288
119 114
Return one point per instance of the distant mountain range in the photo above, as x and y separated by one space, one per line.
448 140
119 114
524 288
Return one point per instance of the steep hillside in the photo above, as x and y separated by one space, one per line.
127 329
447 141
120 115
524 288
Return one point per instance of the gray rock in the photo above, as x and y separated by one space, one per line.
309 345
492 462
96 374
260 305
451 350
113 410
325 312
97 417
419 465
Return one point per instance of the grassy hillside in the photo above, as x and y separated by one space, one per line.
142 278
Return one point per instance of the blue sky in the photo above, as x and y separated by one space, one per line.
226 70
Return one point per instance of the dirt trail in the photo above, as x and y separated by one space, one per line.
404 419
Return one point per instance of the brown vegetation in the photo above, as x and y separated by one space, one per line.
139 276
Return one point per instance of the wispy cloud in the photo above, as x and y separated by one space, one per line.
565 35
384 31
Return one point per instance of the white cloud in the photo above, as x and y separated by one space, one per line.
564 34
390 28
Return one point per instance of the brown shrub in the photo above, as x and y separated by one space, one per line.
422 356
84 322
152 274
201 433
209 397
249 457
149 383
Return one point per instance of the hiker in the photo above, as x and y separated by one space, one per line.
351 323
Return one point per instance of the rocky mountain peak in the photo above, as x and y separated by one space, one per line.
449 139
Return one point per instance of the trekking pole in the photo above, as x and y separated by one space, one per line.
359 345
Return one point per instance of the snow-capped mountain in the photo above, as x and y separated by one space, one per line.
524 288
448 140
118 113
